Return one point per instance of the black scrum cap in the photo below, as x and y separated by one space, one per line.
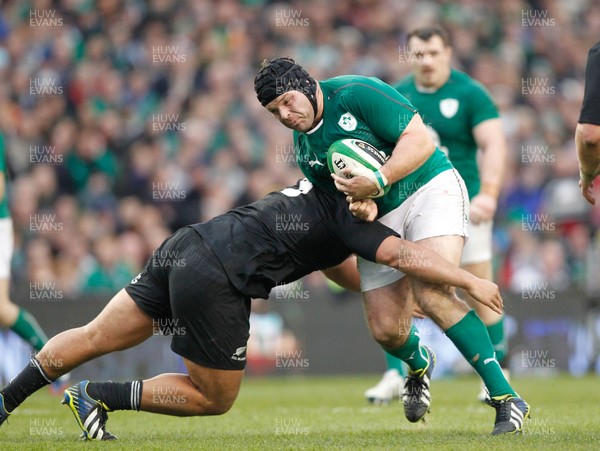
281 75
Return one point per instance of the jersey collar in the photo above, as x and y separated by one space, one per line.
310 132
424 90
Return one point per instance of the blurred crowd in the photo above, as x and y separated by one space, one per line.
124 120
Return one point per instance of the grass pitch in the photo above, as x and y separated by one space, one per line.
329 413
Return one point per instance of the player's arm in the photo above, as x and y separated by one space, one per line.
391 117
418 261
587 141
412 150
489 136
587 133
376 242
345 274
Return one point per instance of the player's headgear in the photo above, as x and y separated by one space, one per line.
281 75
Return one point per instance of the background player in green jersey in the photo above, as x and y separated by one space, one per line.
12 316
427 203
462 119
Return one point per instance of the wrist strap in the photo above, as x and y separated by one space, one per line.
381 179
586 177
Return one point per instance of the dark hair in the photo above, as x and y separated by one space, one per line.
426 32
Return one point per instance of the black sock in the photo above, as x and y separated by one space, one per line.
27 382
116 395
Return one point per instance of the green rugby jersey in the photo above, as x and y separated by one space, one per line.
451 113
4 212
368 109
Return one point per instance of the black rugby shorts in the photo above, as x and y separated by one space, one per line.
186 292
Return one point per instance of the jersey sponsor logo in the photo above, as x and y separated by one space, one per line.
315 161
347 122
239 354
138 277
449 107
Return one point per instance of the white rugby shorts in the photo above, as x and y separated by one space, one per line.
478 248
6 246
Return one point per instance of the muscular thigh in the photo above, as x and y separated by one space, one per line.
120 325
389 306
448 246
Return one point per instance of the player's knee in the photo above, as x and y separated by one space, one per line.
432 297
209 405
220 407
388 335
215 390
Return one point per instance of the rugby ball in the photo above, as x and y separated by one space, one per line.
360 156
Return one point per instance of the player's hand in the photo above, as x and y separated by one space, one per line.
359 186
363 208
486 293
483 208
585 185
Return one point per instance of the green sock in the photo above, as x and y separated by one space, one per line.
394 363
412 352
29 330
496 333
471 338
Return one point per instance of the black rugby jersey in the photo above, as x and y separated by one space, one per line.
286 235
